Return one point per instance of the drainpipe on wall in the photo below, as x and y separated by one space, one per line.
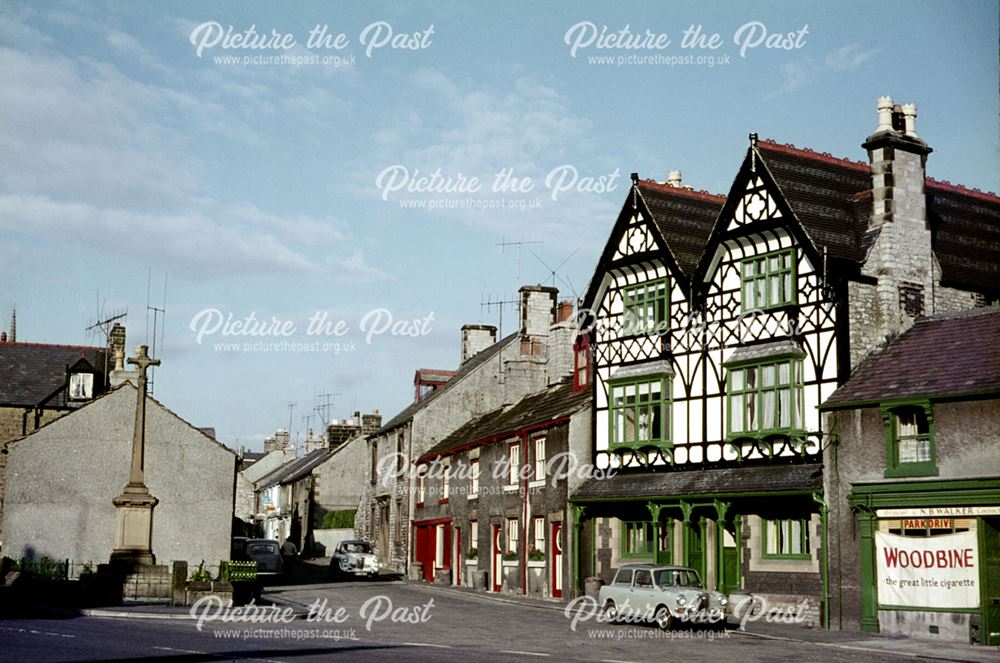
525 514
824 568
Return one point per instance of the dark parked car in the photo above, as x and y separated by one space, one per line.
354 558
267 554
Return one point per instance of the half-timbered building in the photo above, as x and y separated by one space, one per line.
717 325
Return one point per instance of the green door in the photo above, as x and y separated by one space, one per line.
990 549
730 562
696 547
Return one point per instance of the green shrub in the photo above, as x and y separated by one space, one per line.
339 519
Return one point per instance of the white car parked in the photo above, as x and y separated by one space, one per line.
661 594
354 558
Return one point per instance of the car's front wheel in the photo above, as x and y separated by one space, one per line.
663 618
610 612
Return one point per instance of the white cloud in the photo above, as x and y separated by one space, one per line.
99 159
803 72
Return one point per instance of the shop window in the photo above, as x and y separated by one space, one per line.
640 412
785 539
637 539
910 449
769 280
646 307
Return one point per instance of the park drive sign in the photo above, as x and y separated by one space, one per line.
927 572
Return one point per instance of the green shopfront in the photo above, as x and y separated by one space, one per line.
930 558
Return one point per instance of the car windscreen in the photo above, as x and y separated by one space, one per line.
357 548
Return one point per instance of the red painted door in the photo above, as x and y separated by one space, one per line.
497 557
420 535
557 561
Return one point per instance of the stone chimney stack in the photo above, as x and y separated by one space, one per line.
560 345
674 178
900 257
116 341
538 309
475 339
371 422
116 346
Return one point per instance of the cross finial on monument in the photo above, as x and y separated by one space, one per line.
143 361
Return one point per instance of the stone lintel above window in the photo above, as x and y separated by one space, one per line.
660 367
762 352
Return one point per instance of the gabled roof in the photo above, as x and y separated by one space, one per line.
831 197
549 405
684 218
468 367
953 354
126 386
31 372
294 470
822 191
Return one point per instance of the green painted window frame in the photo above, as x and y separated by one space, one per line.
665 403
758 272
890 417
629 528
805 542
795 384
648 305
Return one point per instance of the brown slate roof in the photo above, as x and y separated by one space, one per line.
832 199
703 482
822 190
952 354
684 217
31 372
554 403
966 227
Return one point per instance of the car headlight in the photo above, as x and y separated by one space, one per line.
681 600
723 601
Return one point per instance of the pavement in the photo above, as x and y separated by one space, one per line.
866 645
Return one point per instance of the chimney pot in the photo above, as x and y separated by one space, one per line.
910 118
884 107
674 178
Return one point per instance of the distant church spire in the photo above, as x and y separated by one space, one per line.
13 325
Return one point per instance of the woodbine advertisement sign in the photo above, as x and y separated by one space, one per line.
928 572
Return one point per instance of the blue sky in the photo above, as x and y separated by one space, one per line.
254 188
